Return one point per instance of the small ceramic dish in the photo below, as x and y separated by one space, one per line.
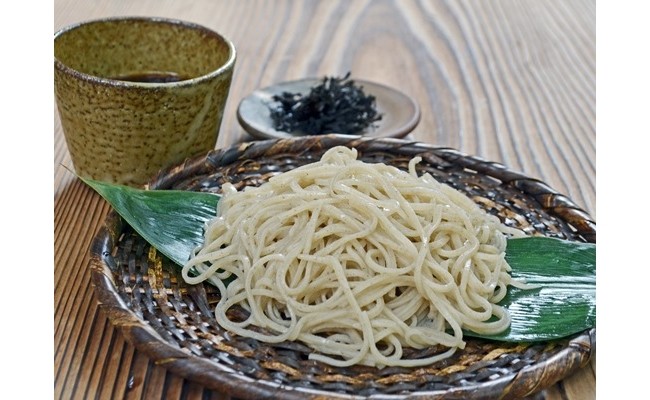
400 113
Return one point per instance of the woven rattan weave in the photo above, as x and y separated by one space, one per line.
144 296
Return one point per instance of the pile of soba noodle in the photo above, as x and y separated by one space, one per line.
357 261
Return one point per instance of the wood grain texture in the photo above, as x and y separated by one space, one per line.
509 81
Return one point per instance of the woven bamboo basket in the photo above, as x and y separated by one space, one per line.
143 294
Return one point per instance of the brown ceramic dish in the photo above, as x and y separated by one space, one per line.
170 321
400 113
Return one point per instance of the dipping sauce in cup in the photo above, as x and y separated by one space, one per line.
136 95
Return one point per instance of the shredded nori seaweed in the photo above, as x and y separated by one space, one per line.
336 105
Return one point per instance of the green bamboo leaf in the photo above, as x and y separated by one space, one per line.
172 221
564 303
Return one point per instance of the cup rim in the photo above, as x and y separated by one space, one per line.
115 82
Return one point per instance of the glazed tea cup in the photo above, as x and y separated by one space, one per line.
136 94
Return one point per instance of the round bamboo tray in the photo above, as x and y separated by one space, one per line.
172 322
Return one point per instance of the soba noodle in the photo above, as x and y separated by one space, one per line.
356 260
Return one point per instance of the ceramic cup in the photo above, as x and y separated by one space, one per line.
136 95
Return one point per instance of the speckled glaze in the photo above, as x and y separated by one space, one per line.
124 132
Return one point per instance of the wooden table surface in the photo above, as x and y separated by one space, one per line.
509 81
